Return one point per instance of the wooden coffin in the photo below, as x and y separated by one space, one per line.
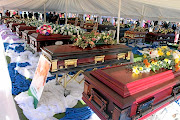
73 58
159 37
105 27
13 25
38 41
21 28
134 35
118 94
25 35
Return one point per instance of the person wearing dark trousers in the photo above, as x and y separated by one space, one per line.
25 15
36 15
50 17
30 15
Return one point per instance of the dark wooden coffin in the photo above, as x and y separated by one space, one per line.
21 28
38 41
135 35
105 27
25 35
159 37
13 25
73 58
118 94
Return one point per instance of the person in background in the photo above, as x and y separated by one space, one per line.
25 15
174 26
7 13
54 18
47 16
36 15
177 34
30 15
50 17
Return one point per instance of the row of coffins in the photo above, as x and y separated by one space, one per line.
112 92
150 37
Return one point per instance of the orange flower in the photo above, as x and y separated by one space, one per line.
145 61
148 65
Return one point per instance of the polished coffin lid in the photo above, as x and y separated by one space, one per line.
24 27
40 37
70 51
29 31
126 83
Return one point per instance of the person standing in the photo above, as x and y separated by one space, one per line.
25 15
177 34
30 15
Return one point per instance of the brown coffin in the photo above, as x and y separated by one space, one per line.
21 28
115 93
13 25
25 35
86 57
38 41
159 37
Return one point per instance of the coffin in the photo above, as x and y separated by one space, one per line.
134 35
13 25
38 41
21 28
73 58
25 35
159 37
105 27
116 93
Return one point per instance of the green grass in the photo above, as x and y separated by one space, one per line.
8 59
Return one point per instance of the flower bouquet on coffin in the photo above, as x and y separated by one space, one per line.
45 30
156 59
91 40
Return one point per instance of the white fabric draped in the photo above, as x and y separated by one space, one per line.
148 9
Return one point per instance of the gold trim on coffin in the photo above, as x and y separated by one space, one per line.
121 55
99 58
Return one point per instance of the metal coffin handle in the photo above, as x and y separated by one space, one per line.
98 102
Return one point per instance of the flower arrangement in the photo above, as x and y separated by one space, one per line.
155 59
92 39
67 30
45 30
165 31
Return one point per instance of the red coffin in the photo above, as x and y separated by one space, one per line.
21 28
116 93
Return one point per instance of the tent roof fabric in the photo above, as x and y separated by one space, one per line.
139 9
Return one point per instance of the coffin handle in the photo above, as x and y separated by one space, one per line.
99 102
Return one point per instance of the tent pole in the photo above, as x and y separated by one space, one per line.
44 12
118 27
3 14
66 12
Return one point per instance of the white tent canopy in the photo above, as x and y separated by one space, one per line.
139 9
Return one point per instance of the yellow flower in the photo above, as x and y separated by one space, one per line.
166 60
164 47
141 68
135 67
136 71
154 63
104 37
144 56
168 53
160 53
176 60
